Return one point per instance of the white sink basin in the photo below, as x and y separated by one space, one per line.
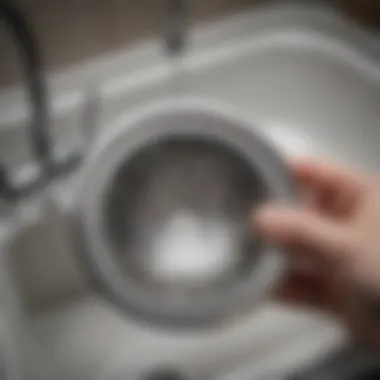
311 81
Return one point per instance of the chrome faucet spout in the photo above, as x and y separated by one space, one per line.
175 27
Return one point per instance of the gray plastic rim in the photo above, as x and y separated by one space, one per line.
175 117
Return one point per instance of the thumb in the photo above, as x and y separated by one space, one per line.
303 228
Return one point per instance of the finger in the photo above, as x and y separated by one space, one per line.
335 204
328 188
315 172
290 227
343 204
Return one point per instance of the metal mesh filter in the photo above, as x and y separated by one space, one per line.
178 216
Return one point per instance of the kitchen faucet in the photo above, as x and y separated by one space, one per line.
30 54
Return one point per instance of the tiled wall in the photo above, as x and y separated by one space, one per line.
71 31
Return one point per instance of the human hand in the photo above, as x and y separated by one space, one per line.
333 240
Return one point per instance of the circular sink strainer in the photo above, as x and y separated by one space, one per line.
164 214
177 214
